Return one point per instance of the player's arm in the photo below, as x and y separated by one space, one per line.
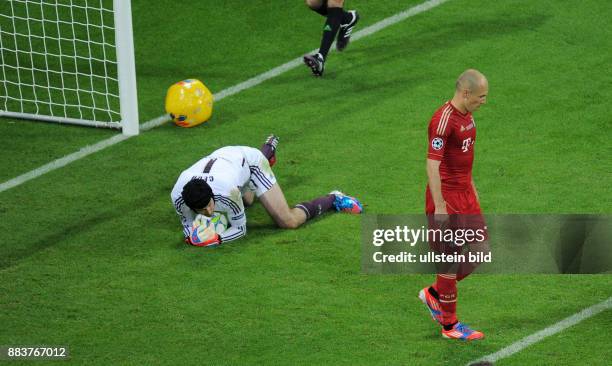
435 185
234 232
233 206
186 216
438 133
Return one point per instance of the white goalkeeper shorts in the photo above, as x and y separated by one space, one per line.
262 177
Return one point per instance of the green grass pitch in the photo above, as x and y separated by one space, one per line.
91 254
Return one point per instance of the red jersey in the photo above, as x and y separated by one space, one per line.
451 140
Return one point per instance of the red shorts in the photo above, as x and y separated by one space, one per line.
457 202
463 210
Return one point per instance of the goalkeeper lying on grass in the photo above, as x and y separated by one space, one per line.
228 180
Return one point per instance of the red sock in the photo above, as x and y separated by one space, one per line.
446 285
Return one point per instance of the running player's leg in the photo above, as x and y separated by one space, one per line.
335 13
319 6
349 18
335 17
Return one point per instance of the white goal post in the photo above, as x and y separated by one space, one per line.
69 61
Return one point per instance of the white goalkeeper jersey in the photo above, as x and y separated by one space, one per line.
229 171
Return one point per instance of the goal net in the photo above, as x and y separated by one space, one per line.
68 61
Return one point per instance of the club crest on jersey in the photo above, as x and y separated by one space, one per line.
437 143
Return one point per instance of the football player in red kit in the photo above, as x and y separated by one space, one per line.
451 189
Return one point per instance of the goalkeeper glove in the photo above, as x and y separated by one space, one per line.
203 236
212 242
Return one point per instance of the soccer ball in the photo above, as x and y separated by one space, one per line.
219 222
201 233
189 103
216 224
204 228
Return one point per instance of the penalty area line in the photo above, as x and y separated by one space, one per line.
254 81
546 332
